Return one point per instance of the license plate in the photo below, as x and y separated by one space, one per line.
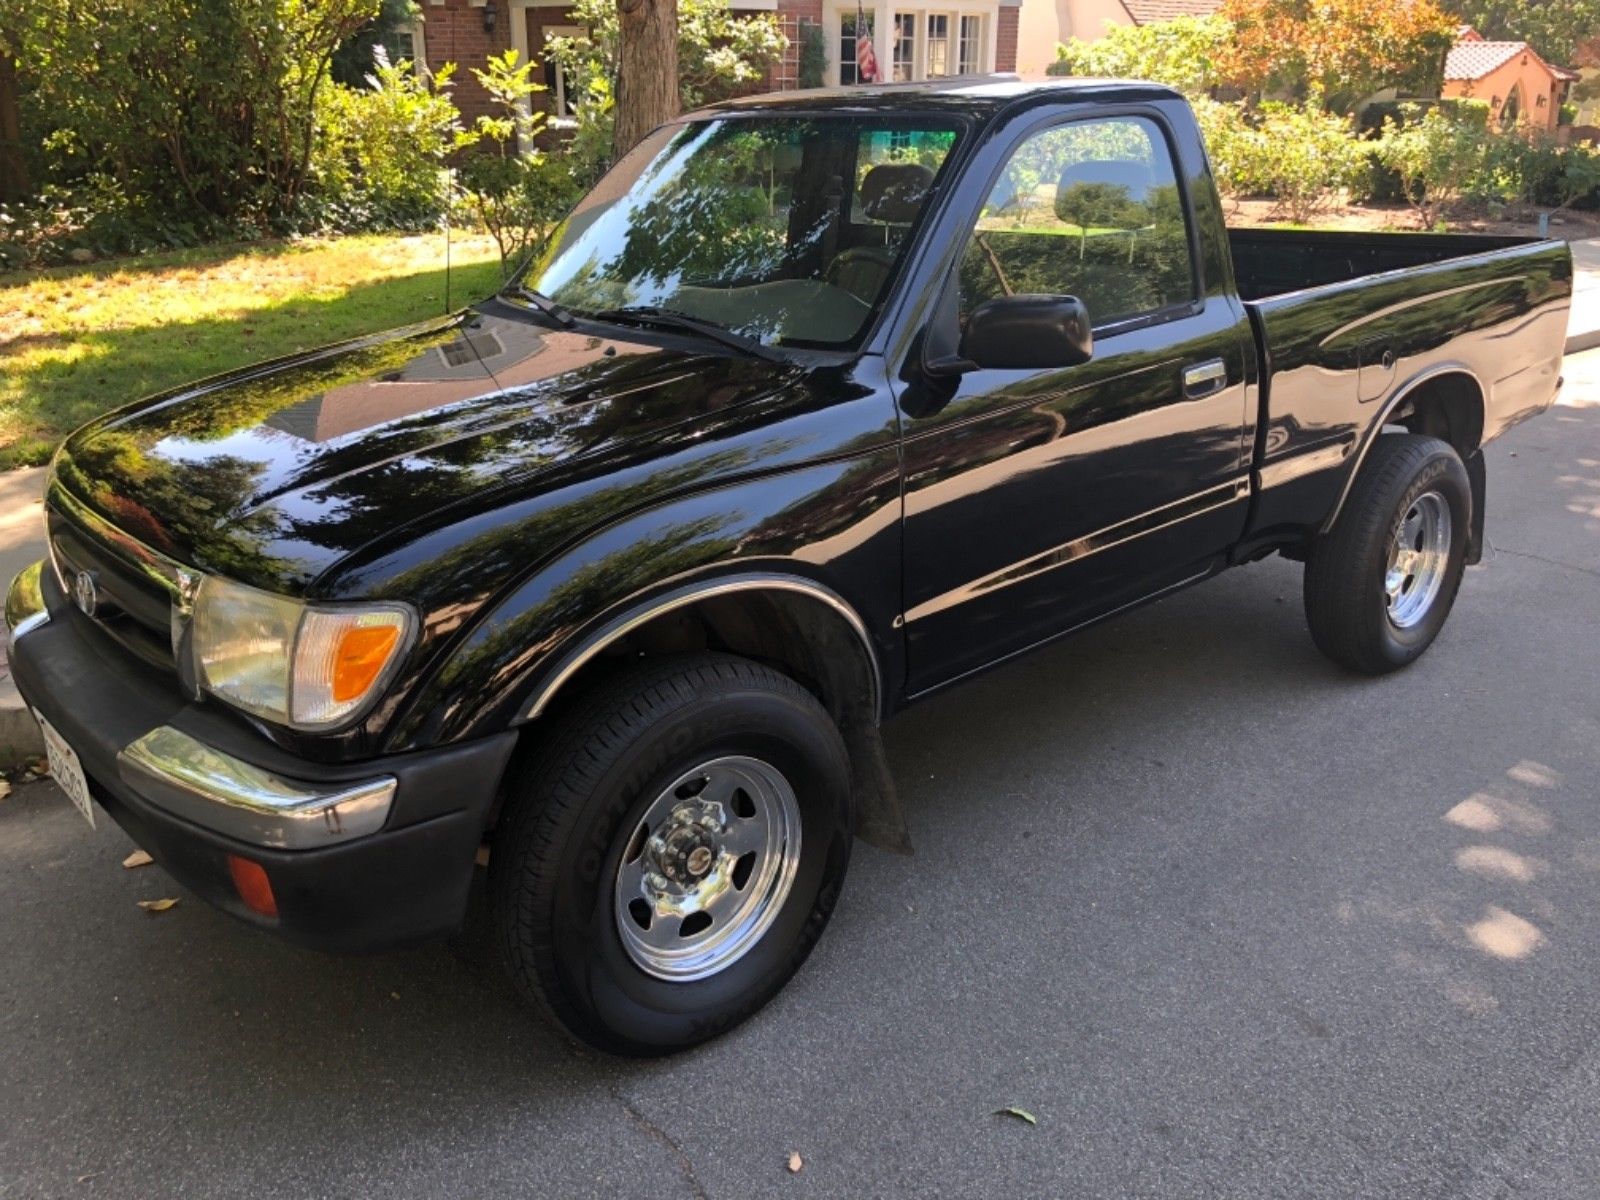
65 768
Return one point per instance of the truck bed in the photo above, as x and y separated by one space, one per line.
1271 262
1348 324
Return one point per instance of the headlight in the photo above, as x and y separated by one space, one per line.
290 663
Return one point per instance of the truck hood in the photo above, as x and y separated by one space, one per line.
273 474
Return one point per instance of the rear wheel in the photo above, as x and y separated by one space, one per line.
1380 584
668 864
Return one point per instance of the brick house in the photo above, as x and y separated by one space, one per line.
1519 86
914 39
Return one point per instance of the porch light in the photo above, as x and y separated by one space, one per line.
490 16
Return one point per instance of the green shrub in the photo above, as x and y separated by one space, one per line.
1299 155
97 219
813 64
1381 185
1437 155
519 196
379 153
191 104
1179 52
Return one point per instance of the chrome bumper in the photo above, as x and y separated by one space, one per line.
189 779
25 608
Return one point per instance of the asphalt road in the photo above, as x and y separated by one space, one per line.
1228 922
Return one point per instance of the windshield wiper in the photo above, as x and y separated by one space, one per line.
556 312
662 318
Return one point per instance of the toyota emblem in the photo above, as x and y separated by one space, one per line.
85 594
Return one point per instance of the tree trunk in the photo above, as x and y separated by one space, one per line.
14 181
647 69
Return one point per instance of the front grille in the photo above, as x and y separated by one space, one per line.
134 595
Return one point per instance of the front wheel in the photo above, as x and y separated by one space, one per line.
1380 583
669 862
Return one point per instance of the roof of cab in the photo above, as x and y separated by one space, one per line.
974 95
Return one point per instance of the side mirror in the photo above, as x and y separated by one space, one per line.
1028 332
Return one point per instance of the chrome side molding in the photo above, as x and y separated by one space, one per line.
692 594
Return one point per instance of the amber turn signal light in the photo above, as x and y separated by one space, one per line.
254 888
362 654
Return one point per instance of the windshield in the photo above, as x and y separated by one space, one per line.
783 229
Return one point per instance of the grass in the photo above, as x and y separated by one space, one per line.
76 342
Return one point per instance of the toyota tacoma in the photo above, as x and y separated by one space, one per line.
816 404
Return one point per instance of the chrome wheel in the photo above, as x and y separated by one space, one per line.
1419 557
708 868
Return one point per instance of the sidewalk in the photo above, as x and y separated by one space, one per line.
22 537
21 542
1583 327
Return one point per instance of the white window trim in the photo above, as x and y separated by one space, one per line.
883 13
560 97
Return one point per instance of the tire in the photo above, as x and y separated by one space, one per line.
571 867
1412 492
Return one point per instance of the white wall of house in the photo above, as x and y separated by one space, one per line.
1043 24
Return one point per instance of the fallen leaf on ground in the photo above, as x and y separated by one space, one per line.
39 767
795 1163
5 789
156 906
137 859
1022 1114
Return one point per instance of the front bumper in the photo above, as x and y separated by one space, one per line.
359 856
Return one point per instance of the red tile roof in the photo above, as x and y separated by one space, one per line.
1146 12
1475 59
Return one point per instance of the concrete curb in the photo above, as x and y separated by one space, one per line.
1579 342
20 738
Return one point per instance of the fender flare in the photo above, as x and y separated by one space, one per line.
1396 400
640 613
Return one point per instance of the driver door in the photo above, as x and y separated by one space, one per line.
1037 500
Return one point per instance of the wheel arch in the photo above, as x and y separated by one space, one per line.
1448 401
787 620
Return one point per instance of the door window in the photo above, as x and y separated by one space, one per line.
1089 209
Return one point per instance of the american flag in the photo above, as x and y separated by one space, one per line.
866 58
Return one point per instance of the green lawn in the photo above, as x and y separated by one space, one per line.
78 341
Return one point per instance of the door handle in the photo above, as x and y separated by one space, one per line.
1204 379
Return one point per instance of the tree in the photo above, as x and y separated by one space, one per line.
647 69
718 54
519 192
1335 52
1555 28
14 180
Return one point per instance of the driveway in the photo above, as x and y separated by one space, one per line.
1226 921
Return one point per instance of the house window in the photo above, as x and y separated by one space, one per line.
1512 112
404 44
851 26
921 44
938 45
969 50
905 46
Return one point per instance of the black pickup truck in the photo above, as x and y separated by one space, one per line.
816 404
